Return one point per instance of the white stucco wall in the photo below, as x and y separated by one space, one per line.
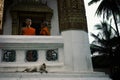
77 47
7 28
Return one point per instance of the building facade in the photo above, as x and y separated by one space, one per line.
63 15
66 52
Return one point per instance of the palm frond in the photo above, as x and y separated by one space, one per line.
93 1
107 7
96 48
98 26
99 40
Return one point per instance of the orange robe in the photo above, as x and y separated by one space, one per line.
44 31
28 31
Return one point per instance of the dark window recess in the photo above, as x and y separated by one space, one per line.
31 55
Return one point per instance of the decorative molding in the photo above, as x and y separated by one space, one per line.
8 55
31 55
52 55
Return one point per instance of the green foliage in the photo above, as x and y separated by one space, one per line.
103 40
107 44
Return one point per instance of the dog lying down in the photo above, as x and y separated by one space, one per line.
40 69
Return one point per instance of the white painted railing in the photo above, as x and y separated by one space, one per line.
30 42
21 44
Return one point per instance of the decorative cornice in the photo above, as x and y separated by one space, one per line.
32 8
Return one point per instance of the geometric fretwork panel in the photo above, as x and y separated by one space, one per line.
9 56
31 55
52 55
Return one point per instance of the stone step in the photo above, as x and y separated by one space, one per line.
54 76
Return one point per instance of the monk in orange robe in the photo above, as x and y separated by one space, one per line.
28 30
44 29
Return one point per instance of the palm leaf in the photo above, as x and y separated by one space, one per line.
96 48
98 40
93 1
107 7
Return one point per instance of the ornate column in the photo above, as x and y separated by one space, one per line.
73 27
72 15
1 14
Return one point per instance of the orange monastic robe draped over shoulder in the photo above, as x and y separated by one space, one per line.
44 31
28 31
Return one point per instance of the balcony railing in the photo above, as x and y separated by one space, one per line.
30 42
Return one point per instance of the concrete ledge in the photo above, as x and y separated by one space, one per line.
30 42
12 65
56 67
30 39
55 76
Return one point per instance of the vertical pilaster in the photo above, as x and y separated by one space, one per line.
1 14
15 23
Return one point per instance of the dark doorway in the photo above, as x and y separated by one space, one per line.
37 27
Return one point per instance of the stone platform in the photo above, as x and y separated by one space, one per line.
74 61
54 76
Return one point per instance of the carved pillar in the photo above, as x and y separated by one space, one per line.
1 14
72 15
